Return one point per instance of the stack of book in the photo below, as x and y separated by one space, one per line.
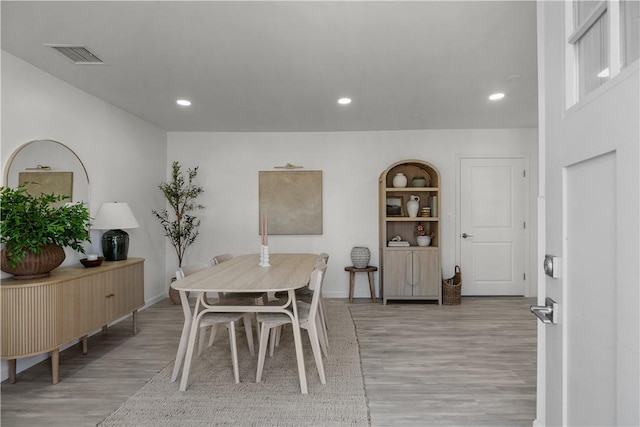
392 243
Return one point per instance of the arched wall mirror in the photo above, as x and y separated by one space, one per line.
51 164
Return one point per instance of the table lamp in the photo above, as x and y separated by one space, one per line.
114 217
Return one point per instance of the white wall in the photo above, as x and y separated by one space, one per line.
351 163
124 156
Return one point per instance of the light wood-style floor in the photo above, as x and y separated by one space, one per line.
423 365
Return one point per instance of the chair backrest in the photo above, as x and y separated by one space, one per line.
220 258
323 258
186 309
315 284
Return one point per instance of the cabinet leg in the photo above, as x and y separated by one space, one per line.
55 366
84 345
372 287
12 371
104 330
134 314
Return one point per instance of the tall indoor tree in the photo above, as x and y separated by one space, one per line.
179 223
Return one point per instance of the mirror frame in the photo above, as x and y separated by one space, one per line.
17 151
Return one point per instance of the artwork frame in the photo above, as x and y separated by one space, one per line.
395 206
292 201
57 183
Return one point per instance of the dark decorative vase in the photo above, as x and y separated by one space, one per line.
35 266
174 295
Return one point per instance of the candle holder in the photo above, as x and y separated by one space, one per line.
264 256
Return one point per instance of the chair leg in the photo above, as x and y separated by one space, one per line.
315 346
248 330
234 350
262 350
272 341
322 336
212 337
323 322
201 339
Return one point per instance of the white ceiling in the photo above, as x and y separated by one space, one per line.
280 66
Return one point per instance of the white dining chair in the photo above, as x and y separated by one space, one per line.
308 319
211 320
259 297
305 294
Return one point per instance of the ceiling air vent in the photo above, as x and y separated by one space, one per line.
78 54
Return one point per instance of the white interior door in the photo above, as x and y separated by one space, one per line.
492 226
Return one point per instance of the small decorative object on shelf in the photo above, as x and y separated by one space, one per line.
413 205
425 211
400 180
360 256
421 236
418 181
88 263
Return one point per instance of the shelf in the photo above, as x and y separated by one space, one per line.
410 189
409 219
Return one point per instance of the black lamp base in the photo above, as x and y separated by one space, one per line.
115 245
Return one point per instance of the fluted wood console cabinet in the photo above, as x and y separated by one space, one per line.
42 315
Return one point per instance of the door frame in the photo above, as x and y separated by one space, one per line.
530 254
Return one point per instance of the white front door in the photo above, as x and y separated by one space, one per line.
589 362
492 226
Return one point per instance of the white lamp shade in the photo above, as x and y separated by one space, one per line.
114 215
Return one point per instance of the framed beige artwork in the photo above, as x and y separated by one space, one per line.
292 201
58 183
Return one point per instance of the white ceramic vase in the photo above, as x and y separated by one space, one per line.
413 205
400 180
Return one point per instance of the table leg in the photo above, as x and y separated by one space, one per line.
297 338
352 283
372 287
182 348
184 381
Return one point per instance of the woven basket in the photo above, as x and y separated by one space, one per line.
451 288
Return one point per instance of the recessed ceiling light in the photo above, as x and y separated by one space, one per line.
183 102
496 96
344 101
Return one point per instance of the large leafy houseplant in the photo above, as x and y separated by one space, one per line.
179 223
29 223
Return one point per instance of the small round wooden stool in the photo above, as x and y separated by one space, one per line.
352 280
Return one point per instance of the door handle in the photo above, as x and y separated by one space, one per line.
465 235
547 313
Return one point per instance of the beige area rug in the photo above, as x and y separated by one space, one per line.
213 398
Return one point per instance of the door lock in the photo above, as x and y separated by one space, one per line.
465 235
547 313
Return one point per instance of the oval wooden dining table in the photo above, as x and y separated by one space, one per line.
287 272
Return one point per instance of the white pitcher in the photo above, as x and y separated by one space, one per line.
413 205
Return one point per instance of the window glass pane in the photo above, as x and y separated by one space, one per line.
593 57
582 9
630 23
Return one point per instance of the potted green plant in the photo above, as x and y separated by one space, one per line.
179 223
34 230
